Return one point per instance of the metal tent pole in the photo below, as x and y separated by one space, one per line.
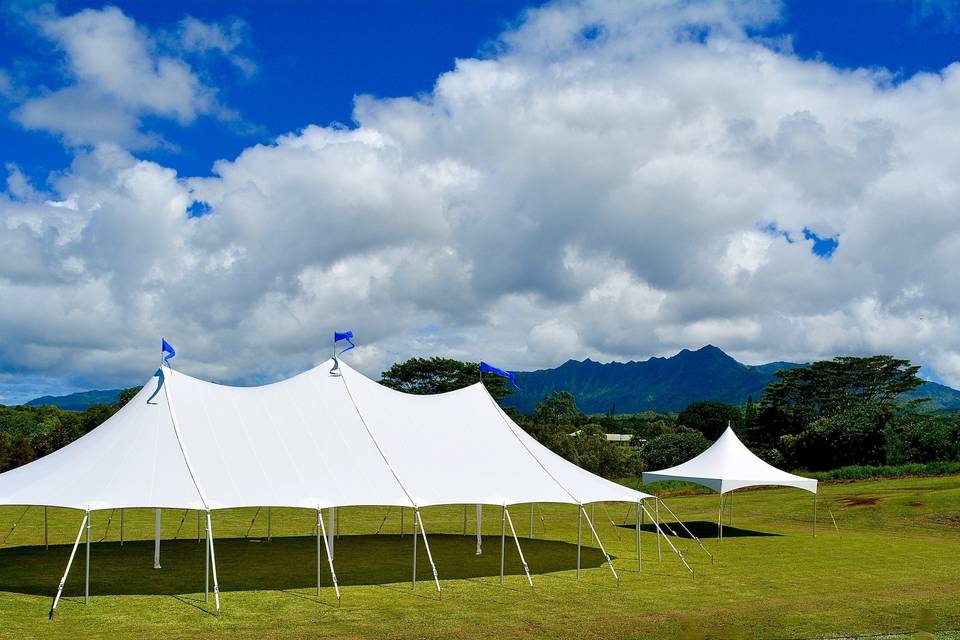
63 580
639 557
730 511
656 505
401 522
814 515
523 560
156 541
602 550
319 552
121 527
690 533
464 519
213 563
720 520
675 550
579 530
269 524
479 525
413 584
333 574
531 520
426 546
503 539
206 571
86 580
198 527
46 531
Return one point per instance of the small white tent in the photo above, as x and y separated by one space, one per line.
729 465
326 438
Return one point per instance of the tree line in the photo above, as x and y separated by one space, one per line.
832 413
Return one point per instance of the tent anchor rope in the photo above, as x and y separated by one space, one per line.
602 550
63 580
14 526
613 524
257 513
685 528
106 529
675 550
384 521
523 560
183 519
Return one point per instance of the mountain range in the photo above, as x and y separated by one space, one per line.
670 384
658 384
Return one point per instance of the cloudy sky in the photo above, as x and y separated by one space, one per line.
518 183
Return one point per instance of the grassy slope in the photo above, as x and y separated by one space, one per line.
897 555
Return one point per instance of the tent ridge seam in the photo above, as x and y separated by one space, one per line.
386 460
183 451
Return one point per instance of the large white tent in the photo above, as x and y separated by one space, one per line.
728 465
327 438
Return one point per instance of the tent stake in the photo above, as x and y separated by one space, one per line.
579 531
63 580
333 574
426 546
690 533
86 581
675 550
213 563
602 550
156 541
523 560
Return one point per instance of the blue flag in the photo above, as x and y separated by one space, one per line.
167 351
489 368
345 335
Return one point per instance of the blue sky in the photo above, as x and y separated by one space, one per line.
598 179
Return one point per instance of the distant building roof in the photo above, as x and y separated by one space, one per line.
611 437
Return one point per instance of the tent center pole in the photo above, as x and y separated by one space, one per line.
156 540
198 527
46 530
401 522
73 553
269 524
213 563
464 520
331 516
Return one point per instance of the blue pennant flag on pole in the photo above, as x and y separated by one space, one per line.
345 335
167 351
489 368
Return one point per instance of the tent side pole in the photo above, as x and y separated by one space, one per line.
331 516
523 560
730 511
121 527
656 506
319 552
479 526
86 580
198 527
814 515
63 580
602 550
639 556
579 530
531 520
156 540
401 521
426 545
333 574
675 550
213 563
269 524
720 520
690 533
413 581
503 539
206 572
464 519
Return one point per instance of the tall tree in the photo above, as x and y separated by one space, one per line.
709 418
439 375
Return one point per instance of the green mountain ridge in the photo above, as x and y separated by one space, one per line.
77 401
670 384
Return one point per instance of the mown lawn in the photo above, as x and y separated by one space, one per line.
898 560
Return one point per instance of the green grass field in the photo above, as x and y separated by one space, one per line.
897 561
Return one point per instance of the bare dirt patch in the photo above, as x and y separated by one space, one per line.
859 501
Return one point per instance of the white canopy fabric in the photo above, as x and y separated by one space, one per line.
316 440
727 466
